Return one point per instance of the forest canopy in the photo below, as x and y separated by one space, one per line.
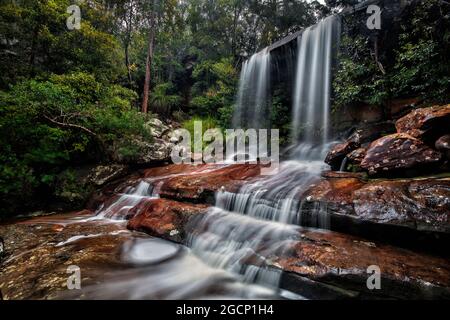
67 94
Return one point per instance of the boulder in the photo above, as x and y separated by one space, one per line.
201 186
141 152
103 174
138 150
339 152
164 218
157 128
396 152
340 263
426 123
443 145
356 157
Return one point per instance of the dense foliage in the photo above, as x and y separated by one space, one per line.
408 59
66 95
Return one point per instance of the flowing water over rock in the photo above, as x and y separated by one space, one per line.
317 48
241 246
235 244
260 220
253 101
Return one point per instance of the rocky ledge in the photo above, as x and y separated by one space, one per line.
336 265
418 147
408 212
323 264
319 264
164 218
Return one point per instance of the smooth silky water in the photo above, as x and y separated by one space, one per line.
229 252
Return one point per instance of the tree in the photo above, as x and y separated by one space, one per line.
148 61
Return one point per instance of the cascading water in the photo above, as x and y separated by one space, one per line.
261 220
131 197
252 103
310 127
244 231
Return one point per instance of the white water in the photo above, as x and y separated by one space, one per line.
132 196
245 231
252 104
261 220
311 109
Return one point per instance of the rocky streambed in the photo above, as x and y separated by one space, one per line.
139 238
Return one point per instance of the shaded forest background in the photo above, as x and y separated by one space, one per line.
67 95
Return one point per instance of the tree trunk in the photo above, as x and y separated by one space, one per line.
148 62
129 29
127 63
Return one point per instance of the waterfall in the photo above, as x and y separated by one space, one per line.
121 207
244 230
310 125
252 103
262 219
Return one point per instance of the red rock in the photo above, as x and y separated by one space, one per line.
357 156
341 175
335 193
419 204
339 152
335 190
173 169
202 186
425 121
398 151
341 260
164 218
443 145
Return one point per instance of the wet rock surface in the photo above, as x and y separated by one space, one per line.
319 264
40 251
425 122
202 186
412 213
164 218
340 151
114 263
349 199
356 157
342 261
443 145
420 204
397 152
